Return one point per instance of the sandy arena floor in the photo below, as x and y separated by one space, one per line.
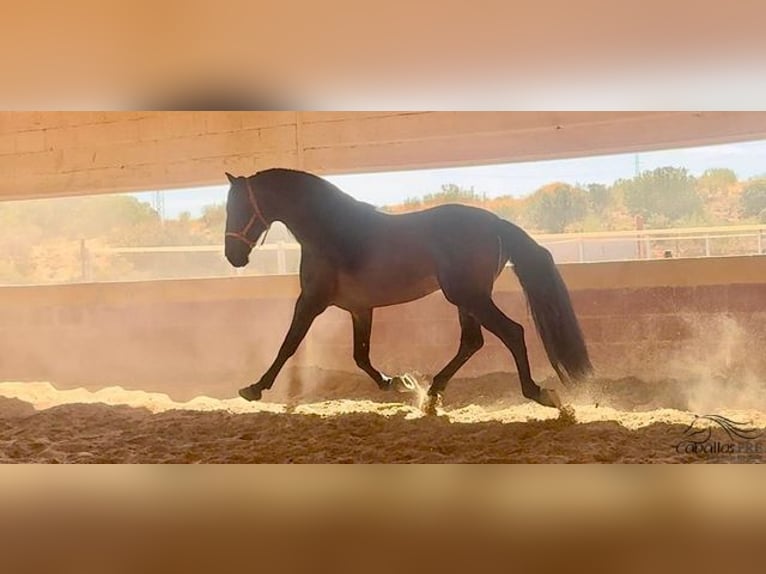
484 420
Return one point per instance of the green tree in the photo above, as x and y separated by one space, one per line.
451 193
412 203
214 216
714 184
599 197
666 193
754 197
508 207
553 207
77 217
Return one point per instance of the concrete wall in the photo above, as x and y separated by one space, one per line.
45 154
186 337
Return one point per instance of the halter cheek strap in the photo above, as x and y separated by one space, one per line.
256 216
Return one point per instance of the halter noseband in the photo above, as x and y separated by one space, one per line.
257 215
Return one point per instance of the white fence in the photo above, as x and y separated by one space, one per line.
284 257
656 243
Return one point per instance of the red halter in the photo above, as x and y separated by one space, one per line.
257 215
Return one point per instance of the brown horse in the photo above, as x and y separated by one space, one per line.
358 258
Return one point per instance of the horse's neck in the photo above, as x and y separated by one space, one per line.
300 217
318 222
298 229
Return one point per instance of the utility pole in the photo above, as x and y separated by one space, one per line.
159 205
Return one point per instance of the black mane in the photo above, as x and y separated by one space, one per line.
296 181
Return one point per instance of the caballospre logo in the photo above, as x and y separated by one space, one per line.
699 438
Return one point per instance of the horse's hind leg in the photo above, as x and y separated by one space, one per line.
362 321
477 301
471 340
512 336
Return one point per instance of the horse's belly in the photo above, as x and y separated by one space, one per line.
381 289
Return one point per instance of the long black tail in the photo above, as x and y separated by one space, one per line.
549 303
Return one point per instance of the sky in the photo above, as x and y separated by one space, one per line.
747 159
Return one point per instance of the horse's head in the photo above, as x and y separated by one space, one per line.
245 221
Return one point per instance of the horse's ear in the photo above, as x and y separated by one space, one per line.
230 177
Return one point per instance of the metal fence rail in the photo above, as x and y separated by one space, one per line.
157 262
656 243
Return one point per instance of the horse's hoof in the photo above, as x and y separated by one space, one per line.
432 405
549 398
404 384
567 414
251 393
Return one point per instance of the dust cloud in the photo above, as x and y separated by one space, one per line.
719 366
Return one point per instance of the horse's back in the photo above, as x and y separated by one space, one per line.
452 227
450 216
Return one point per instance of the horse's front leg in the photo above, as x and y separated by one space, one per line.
362 322
306 310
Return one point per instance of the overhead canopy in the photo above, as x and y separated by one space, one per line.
45 154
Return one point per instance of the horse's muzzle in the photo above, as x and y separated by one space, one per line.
237 257
237 251
238 261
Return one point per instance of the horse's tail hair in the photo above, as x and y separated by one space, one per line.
549 303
